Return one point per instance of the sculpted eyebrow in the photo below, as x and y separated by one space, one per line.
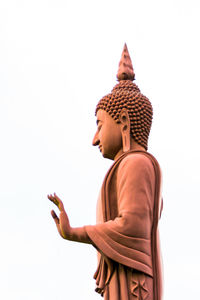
98 121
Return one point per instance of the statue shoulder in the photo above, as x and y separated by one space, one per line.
136 161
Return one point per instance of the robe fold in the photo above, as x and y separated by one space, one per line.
126 233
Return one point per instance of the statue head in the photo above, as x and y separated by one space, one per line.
130 111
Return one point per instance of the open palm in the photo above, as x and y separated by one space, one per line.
62 223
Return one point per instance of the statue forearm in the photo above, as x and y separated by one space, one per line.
79 234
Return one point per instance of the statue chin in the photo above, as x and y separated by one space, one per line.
105 155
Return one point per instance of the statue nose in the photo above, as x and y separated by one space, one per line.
95 141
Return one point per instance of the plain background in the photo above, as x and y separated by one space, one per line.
57 59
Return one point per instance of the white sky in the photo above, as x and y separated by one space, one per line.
57 59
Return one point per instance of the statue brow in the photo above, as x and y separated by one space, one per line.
98 121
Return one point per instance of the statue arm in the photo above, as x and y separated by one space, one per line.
135 184
135 194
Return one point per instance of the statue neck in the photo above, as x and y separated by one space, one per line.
133 146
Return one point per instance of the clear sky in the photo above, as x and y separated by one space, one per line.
57 59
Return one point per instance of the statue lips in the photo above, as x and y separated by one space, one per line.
100 148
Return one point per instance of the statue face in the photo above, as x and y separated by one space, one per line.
108 136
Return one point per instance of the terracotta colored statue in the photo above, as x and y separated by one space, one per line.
129 207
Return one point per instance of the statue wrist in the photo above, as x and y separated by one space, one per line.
78 234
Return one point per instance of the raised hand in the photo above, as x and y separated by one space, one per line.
62 223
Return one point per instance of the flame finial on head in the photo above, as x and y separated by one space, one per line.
125 71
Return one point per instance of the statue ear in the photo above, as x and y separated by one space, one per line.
125 129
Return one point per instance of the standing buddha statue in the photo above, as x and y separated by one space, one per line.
129 206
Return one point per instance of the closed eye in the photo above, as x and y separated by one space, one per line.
99 127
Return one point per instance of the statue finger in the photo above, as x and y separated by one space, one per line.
60 205
55 217
57 221
53 199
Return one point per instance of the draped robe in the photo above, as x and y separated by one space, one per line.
126 233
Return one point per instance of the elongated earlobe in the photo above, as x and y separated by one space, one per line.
126 141
125 129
